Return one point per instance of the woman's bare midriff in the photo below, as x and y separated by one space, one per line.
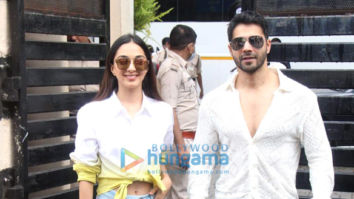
139 188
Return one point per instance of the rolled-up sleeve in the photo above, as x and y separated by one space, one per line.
318 153
86 172
87 164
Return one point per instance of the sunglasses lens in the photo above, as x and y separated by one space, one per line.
140 64
256 41
123 63
238 43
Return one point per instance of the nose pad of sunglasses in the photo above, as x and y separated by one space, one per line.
131 66
247 45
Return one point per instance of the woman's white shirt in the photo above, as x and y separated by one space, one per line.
105 128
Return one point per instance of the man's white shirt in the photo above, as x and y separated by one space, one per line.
263 166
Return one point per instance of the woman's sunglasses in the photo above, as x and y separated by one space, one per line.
140 63
239 42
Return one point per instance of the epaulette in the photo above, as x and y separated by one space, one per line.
174 69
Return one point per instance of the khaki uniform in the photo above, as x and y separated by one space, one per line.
177 88
159 57
194 67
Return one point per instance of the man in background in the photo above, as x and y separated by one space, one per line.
179 90
161 55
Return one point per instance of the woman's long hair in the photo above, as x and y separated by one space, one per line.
109 82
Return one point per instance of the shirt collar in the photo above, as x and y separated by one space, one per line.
285 83
147 104
178 58
117 108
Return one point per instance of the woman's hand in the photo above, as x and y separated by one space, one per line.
166 180
85 190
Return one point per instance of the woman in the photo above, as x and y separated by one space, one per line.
126 119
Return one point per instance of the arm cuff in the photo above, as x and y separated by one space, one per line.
86 172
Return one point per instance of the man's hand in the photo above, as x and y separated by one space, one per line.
201 94
183 156
182 150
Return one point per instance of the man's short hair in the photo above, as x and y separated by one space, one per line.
181 36
247 17
165 40
151 49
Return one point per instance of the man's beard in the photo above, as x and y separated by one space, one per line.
260 59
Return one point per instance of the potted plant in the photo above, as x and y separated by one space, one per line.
145 12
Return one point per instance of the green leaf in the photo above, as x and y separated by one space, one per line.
145 12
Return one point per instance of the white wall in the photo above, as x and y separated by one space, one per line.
4 29
122 18
6 160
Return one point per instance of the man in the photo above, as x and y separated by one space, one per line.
263 117
178 89
160 56
194 68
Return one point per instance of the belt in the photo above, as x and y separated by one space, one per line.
188 134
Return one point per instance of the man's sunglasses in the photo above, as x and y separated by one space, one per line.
239 42
140 63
